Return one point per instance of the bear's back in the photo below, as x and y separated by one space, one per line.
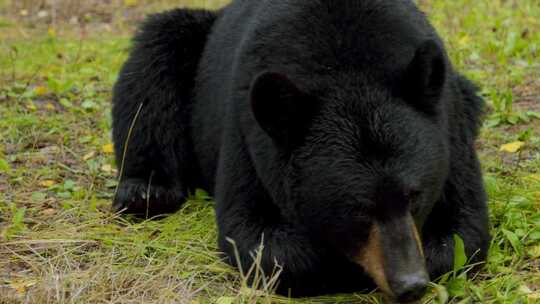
298 37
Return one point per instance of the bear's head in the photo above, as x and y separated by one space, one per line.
364 163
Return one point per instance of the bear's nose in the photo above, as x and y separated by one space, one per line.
411 287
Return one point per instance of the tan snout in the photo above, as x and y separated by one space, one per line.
372 260
394 258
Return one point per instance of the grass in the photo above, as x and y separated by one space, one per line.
60 244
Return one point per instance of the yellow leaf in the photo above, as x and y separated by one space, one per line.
49 106
534 177
108 149
19 287
51 32
463 41
512 147
31 106
22 286
537 200
130 2
534 252
40 90
48 212
89 155
47 183
107 168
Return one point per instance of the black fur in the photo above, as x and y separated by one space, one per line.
296 117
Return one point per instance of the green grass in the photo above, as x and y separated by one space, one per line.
60 244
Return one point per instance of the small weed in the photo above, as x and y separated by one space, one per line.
505 112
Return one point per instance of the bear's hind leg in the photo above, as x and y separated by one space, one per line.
151 110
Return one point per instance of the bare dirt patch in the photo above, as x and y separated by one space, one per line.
527 95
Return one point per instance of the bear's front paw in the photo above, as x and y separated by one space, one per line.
134 196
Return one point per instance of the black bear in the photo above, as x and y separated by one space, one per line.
335 132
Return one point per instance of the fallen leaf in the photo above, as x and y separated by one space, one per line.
40 90
464 40
512 147
31 106
536 202
49 212
534 296
49 106
89 155
130 2
47 183
51 32
534 252
21 286
107 149
534 177
107 168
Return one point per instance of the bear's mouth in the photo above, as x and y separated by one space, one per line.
394 258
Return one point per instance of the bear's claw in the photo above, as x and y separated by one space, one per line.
134 197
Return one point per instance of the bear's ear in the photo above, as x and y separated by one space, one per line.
278 104
424 80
